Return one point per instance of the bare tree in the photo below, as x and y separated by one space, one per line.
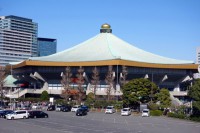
95 80
66 81
2 82
80 82
123 75
110 81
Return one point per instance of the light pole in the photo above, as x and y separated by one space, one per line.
151 95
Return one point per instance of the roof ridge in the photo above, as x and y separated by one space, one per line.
109 46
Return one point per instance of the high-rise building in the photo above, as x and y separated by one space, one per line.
18 39
46 46
197 75
198 55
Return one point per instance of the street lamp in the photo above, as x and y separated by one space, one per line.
151 95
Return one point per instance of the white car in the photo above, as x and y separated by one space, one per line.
58 108
146 113
126 111
110 110
75 108
18 114
36 106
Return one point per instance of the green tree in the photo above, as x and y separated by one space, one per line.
164 97
138 91
90 99
44 96
194 93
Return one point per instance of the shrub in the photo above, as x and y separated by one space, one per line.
195 118
176 115
44 96
153 106
155 112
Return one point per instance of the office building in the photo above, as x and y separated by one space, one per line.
198 55
18 39
197 75
46 46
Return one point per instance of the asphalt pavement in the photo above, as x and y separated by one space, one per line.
98 122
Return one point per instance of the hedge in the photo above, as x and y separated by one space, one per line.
156 112
195 118
175 115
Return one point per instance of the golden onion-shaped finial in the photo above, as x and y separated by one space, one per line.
105 26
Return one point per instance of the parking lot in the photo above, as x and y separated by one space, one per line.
98 122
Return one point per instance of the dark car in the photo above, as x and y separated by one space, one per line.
65 108
38 114
81 112
3 113
85 107
51 108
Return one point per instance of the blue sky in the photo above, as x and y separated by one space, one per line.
169 28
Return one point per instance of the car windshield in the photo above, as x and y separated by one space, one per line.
125 109
109 107
145 111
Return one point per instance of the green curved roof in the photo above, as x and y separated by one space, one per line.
106 46
9 81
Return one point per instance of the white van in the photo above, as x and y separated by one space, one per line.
18 114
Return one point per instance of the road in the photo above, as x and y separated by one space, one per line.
67 122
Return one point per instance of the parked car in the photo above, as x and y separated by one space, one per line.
37 114
85 107
51 108
145 112
18 114
110 110
126 111
81 112
36 106
3 113
26 107
75 108
65 108
58 107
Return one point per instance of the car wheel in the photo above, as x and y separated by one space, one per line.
35 116
12 118
46 116
24 117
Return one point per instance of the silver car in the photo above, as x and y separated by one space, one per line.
126 111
